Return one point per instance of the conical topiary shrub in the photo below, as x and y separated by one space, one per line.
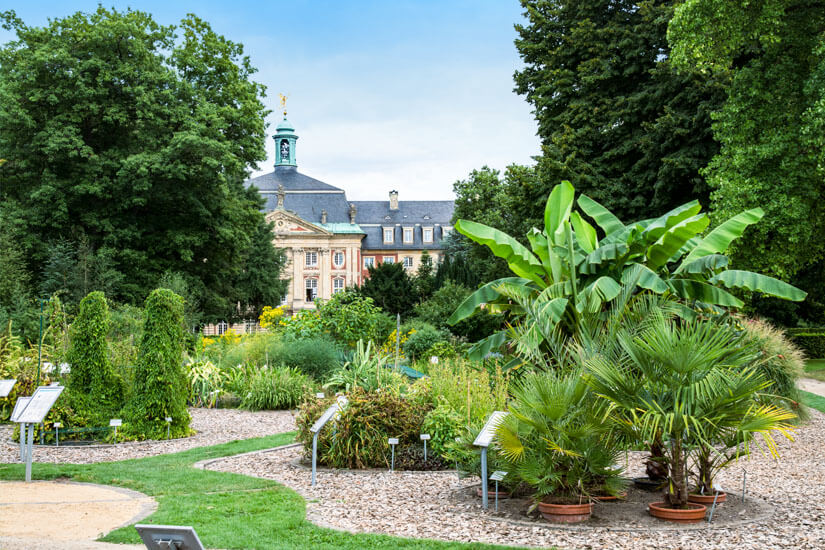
160 381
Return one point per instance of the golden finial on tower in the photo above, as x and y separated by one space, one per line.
283 102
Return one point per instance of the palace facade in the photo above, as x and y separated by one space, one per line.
330 241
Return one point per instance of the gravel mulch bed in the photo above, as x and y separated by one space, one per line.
435 504
213 426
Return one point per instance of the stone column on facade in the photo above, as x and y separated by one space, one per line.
324 283
297 277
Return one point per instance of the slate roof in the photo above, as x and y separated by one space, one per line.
307 197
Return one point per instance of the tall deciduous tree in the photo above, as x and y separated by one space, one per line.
614 117
137 136
772 125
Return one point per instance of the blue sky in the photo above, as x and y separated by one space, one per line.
407 95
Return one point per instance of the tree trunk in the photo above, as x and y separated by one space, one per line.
678 494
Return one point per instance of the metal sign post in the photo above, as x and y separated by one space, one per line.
424 438
331 412
483 440
114 423
393 441
57 426
34 411
497 476
19 405
168 425
169 537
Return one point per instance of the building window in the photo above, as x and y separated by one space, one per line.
408 262
408 235
222 327
312 289
250 326
369 262
427 234
389 234
337 285
445 232
389 259
338 259
311 259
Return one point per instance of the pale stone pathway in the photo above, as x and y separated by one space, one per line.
811 385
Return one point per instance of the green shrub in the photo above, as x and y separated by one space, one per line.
316 357
441 305
424 337
810 340
359 438
276 389
96 390
779 360
366 370
160 380
471 392
444 424
206 382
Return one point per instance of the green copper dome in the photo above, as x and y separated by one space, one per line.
285 139
284 125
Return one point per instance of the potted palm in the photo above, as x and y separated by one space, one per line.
691 383
555 442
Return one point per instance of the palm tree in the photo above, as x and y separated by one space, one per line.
691 384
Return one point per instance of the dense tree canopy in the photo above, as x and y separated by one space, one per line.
772 125
614 117
132 140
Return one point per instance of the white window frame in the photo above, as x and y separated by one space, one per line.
445 231
388 259
369 261
314 259
222 327
335 282
408 262
388 231
424 238
335 255
408 231
311 283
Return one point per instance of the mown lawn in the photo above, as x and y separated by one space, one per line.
227 510
815 368
813 400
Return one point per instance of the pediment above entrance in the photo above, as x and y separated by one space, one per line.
287 223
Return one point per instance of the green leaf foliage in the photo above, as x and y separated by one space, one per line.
391 288
161 384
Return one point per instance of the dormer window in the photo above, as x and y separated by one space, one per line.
427 234
389 235
408 235
426 216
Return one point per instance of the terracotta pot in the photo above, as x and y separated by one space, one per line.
611 498
491 493
706 499
565 513
694 513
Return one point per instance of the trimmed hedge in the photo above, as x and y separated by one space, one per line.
810 340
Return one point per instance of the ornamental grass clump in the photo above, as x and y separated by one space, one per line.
275 389
161 384
691 385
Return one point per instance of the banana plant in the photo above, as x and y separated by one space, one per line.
573 266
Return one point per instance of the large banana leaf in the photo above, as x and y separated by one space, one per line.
521 261
711 263
734 278
485 346
718 240
657 227
703 292
558 207
603 217
643 277
483 295
585 233
674 238
605 288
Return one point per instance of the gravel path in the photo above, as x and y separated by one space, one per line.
213 426
424 504
811 385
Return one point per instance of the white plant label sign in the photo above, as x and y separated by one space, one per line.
485 436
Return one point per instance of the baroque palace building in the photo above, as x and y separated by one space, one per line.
329 241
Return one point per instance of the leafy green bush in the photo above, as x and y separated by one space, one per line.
779 360
444 424
347 317
276 389
359 439
317 357
366 370
810 340
96 390
206 382
471 392
441 305
424 337
160 380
